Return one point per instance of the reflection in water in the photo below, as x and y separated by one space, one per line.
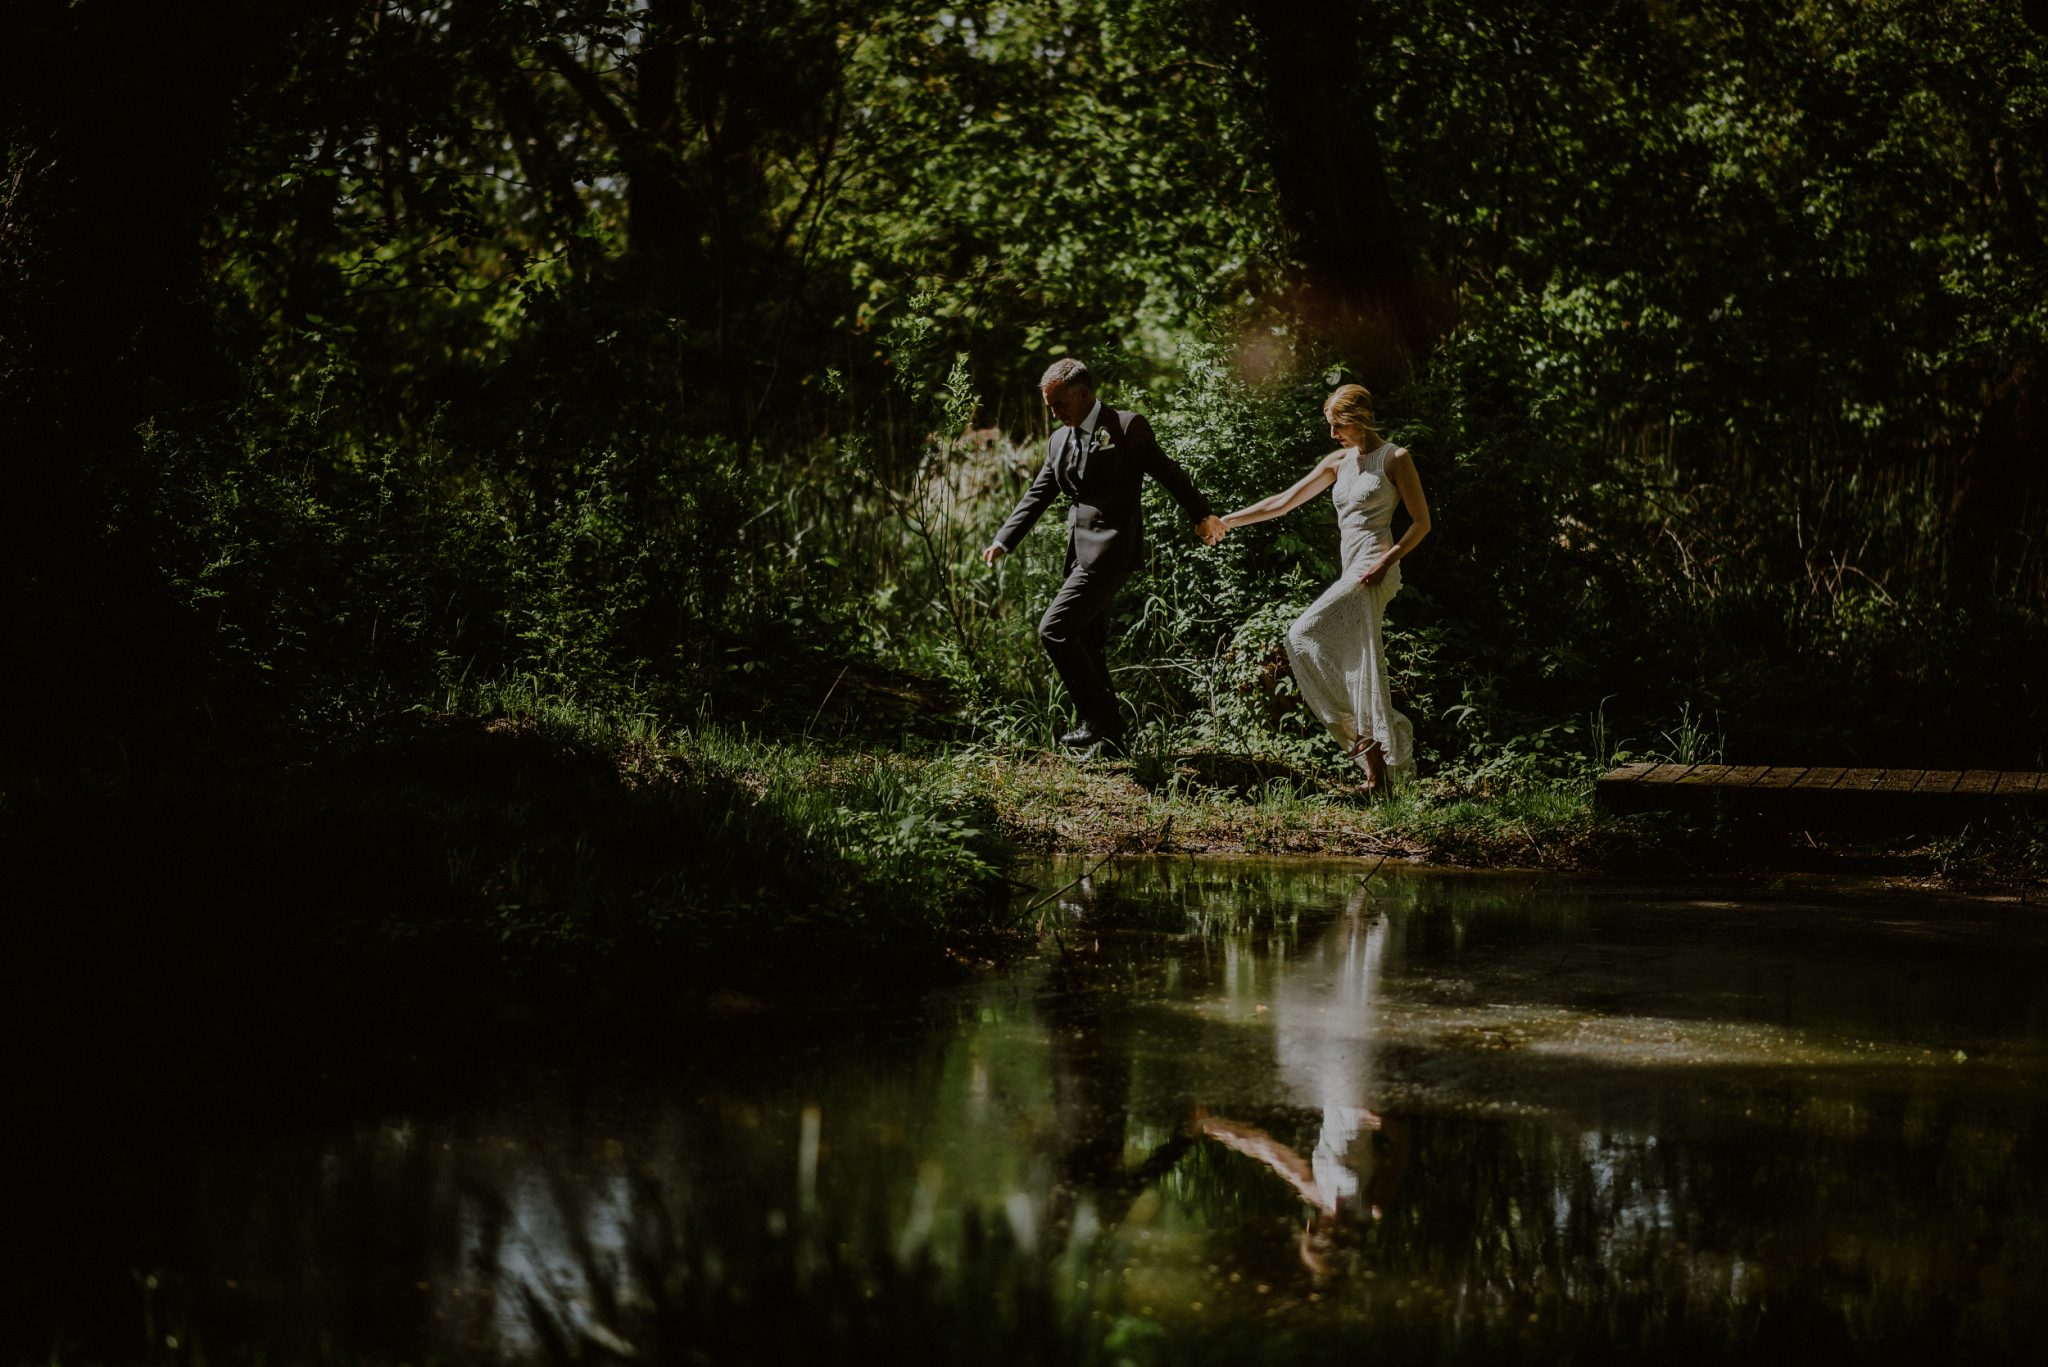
1324 1033
1238 1107
1092 1041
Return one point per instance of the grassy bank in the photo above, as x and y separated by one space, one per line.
517 836
1206 803
523 840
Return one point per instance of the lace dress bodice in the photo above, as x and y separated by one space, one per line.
1366 498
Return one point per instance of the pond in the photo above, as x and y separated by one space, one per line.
1232 1111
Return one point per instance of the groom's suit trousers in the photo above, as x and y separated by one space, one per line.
1075 633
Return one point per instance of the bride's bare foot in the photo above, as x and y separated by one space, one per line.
1371 756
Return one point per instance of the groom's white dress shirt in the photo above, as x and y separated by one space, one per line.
1088 425
1082 433
1090 421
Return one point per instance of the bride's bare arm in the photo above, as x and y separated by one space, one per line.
1401 469
1256 1143
1287 500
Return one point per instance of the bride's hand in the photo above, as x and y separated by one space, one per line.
1378 571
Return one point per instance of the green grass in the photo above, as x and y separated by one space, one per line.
2009 855
1191 801
524 832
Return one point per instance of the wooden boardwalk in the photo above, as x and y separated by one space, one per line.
1826 798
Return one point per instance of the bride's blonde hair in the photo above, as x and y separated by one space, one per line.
1351 405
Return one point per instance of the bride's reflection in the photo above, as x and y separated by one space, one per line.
1326 1038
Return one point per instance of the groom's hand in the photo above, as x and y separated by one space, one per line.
1210 529
992 553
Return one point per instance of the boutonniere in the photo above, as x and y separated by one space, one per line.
1101 440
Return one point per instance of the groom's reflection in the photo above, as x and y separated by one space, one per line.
1326 1038
1092 1031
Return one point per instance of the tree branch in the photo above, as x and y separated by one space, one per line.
592 92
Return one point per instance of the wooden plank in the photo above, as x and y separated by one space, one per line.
1824 798
1627 788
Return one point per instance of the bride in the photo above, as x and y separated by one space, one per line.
1335 646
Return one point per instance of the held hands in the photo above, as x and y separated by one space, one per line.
1210 529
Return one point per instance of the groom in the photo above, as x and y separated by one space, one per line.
1099 459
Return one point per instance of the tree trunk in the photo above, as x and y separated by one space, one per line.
662 221
2001 503
1358 287
662 228
535 146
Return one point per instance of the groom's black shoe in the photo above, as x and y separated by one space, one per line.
1087 736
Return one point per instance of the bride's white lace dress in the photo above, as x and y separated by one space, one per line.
1335 646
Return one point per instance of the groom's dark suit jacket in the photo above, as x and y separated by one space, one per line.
1106 524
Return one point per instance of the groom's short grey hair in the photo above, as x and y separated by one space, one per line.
1065 371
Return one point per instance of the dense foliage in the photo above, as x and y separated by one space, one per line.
496 490
354 353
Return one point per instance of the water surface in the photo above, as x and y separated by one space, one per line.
1231 1111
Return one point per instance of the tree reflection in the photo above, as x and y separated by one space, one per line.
1091 1043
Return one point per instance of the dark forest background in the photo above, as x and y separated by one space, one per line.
493 493
357 356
